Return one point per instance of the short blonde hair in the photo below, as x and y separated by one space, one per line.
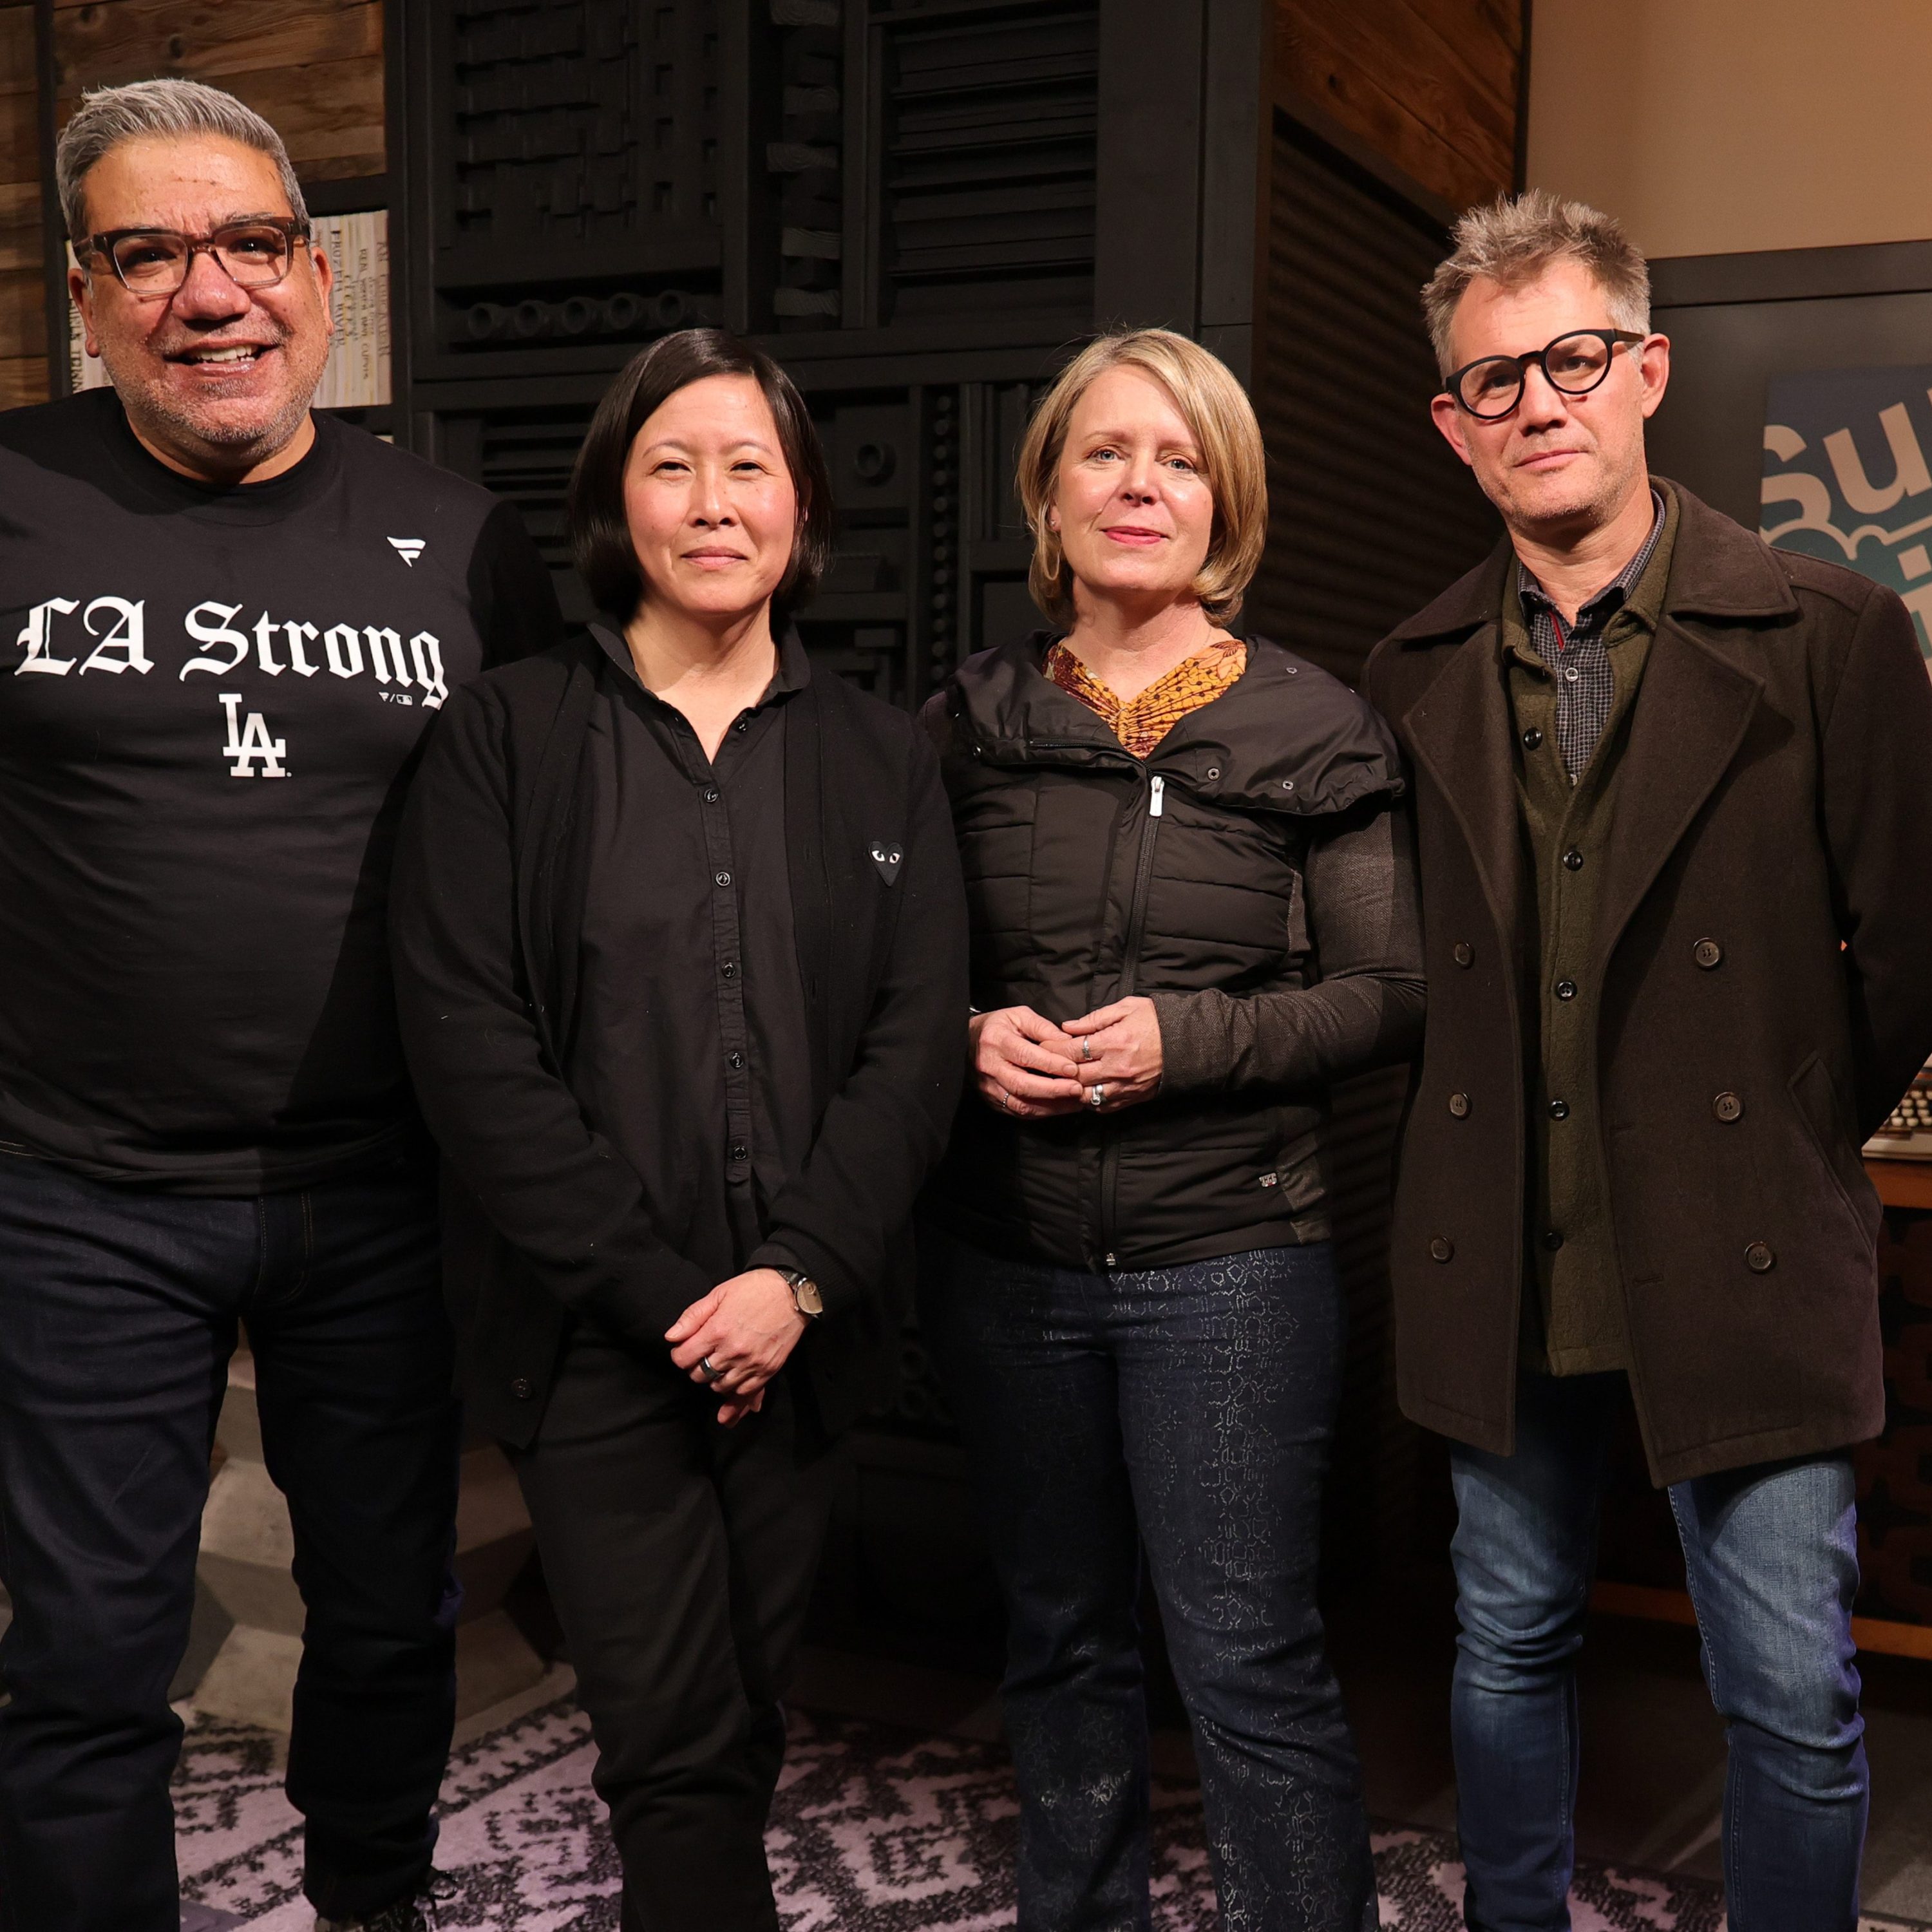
1512 240
1232 461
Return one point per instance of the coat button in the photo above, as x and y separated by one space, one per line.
1440 1249
1531 739
734 1060
1566 989
1574 859
1459 1105
1759 1258
711 794
521 1387
1559 1110
739 1151
1708 953
721 878
1465 954
1552 1239
1728 1107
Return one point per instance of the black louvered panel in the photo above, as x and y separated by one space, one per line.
1372 513
527 456
991 120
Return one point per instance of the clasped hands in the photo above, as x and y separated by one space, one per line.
1030 1069
745 1329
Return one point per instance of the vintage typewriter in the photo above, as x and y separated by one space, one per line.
1907 1134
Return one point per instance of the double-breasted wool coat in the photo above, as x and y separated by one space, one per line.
1761 977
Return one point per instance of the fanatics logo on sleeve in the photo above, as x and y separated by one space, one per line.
408 548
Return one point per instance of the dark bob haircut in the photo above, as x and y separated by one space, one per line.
600 533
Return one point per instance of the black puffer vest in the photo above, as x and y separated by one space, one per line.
1090 875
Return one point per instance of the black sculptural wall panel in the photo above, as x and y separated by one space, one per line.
572 197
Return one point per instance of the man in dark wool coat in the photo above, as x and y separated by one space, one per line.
1675 840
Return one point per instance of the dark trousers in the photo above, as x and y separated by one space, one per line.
117 1315
1189 1409
680 1558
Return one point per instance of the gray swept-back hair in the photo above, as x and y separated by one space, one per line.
109 115
1514 239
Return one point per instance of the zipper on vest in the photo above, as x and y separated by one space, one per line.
1130 960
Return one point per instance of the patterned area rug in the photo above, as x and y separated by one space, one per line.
874 1831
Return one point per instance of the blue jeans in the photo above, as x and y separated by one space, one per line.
118 1315
1772 1557
1189 1409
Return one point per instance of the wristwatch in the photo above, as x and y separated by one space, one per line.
805 1295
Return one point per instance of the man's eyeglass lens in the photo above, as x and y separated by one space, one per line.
1575 364
254 255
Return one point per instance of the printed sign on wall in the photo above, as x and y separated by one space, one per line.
1846 475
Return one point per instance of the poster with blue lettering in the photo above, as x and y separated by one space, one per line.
1846 475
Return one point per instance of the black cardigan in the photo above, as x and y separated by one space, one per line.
545 1220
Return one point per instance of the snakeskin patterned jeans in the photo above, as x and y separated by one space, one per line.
1189 1410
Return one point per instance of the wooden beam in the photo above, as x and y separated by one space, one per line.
108 41
1641 1601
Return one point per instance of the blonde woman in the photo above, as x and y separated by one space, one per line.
1192 909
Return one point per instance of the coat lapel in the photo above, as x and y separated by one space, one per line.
1692 712
1461 734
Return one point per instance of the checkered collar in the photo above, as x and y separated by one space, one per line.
1605 604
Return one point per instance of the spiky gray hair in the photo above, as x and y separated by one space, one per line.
1514 239
109 115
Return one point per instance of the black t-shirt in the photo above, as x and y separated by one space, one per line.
208 714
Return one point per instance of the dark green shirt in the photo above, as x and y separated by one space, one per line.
1573 1303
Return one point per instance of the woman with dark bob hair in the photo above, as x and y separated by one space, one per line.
1193 909
686 1018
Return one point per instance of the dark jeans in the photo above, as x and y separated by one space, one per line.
1189 1409
680 1558
118 1315
1772 1556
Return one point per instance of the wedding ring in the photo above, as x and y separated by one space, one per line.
1097 1093
1086 1046
706 1369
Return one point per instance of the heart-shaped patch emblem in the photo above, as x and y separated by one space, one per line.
886 857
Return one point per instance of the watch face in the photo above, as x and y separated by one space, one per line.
805 1292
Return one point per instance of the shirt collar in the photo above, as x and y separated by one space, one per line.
1613 595
793 672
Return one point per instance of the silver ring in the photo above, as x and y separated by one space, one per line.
1006 1102
1096 1093
1086 1046
707 1371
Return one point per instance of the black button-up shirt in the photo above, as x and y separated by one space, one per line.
690 1052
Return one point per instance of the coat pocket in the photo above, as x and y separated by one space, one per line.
1815 1097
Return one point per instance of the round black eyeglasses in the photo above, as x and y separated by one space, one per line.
1573 364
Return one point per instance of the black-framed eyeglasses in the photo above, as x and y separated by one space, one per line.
151 262
1491 387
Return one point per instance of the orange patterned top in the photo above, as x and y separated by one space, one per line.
1141 722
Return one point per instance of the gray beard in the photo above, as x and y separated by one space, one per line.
152 409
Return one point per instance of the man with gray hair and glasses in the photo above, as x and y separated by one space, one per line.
1674 834
231 620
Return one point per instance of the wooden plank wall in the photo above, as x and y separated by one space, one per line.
1432 85
313 67
23 334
